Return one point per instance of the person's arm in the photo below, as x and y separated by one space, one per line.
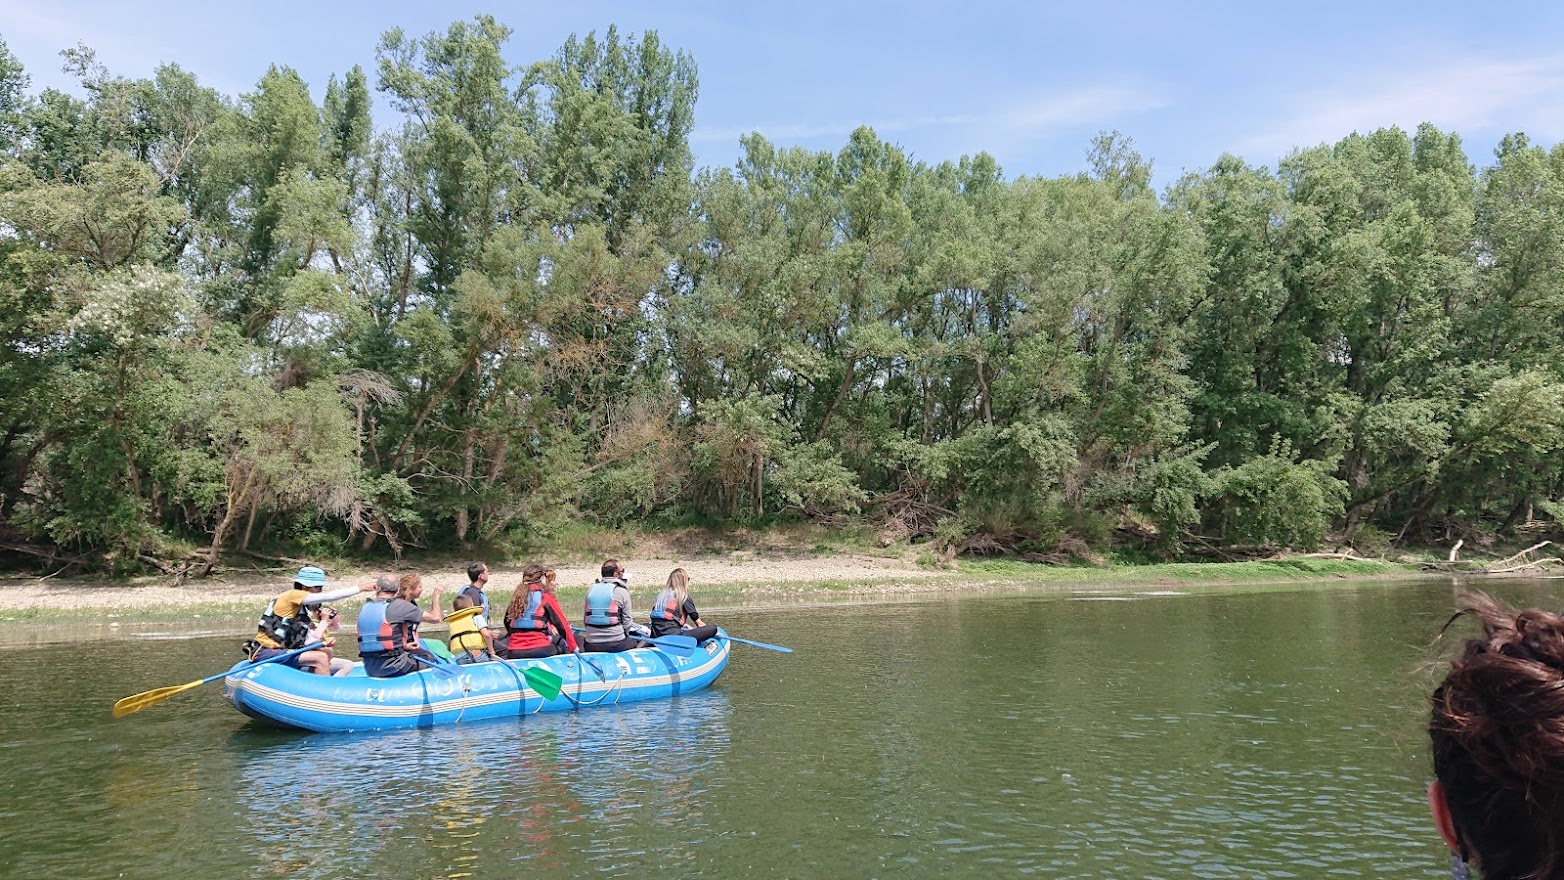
434 614
691 614
556 617
336 595
407 621
626 614
487 634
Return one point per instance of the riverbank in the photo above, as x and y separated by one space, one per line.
44 610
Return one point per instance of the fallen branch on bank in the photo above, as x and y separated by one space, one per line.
1515 562
1500 566
1345 554
1536 565
287 561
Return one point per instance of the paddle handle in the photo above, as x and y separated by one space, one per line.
683 646
595 668
442 668
777 648
137 702
274 659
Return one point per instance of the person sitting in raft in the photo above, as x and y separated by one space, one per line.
396 638
325 623
1497 735
536 622
373 615
285 624
608 623
477 579
673 611
468 642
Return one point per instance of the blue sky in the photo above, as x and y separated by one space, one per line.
1028 82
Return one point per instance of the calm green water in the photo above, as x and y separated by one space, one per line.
1262 733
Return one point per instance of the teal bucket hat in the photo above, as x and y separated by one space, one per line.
310 576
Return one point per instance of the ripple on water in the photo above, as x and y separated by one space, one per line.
1217 736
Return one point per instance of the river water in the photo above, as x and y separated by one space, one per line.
1233 732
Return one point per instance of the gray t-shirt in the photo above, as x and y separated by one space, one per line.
403 611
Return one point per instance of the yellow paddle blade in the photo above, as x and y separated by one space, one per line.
464 613
137 702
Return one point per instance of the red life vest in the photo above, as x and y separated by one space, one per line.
397 636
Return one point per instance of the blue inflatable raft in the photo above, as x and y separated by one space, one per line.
284 696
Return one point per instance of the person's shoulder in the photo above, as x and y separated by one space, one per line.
291 598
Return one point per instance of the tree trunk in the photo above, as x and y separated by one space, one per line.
237 500
468 454
841 394
249 526
987 395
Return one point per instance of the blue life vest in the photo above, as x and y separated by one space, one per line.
668 607
531 619
602 609
479 597
371 624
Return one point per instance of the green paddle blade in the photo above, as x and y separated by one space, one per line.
436 647
546 683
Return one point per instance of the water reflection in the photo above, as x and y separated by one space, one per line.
1266 734
474 798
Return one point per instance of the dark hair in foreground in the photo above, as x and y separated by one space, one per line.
1497 729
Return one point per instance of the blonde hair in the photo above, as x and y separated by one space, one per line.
679 582
409 582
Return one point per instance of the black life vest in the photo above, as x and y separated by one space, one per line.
289 632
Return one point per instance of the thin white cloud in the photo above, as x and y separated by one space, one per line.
1475 93
1020 121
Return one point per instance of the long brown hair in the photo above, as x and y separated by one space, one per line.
409 582
532 574
1497 731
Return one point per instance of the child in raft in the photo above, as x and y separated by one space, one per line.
468 644
325 622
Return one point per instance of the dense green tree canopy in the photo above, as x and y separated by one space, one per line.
235 321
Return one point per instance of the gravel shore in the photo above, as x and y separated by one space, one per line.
724 575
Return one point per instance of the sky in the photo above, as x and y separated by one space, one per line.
1029 83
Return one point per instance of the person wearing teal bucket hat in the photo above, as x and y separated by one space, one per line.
286 622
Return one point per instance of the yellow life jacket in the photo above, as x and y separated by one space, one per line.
465 635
